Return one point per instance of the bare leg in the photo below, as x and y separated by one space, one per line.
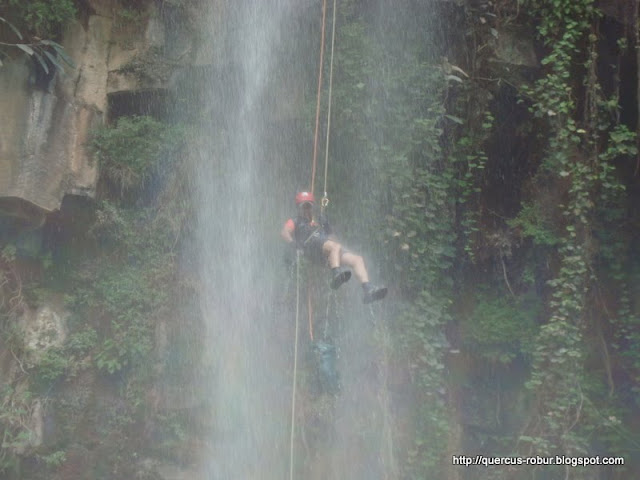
332 250
356 262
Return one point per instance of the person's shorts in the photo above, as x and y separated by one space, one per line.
313 248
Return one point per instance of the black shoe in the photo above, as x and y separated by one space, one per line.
339 275
373 293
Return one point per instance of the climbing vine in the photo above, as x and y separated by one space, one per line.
575 157
420 237
558 357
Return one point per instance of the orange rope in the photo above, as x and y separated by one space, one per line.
315 146
315 136
313 179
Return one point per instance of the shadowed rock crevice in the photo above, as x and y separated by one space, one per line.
155 103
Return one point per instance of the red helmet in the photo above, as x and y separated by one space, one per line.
304 197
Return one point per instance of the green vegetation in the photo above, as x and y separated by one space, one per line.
408 178
581 150
128 284
44 19
558 260
514 268
119 283
135 148
41 22
534 222
501 328
559 354
129 295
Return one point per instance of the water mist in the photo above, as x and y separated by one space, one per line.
255 154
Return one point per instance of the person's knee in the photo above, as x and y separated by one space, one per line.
331 246
353 260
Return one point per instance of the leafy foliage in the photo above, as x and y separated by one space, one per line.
119 282
126 286
501 328
51 366
412 133
48 54
43 21
126 292
536 223
470 157
41 18
130 152
17 404
576 158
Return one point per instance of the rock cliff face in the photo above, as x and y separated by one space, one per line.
41 144
127 62
46 125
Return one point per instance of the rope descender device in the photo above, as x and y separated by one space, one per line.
323 203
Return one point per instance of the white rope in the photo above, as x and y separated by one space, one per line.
295 366
323 204
326 149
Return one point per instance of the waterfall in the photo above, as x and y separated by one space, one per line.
241 270
255 154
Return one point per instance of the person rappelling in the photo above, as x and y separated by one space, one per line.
319 245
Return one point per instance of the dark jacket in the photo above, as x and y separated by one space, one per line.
308 233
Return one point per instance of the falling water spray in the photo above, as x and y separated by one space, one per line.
255 152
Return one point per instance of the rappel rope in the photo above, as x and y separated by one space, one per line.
295 365
325 333
310 307
318 97
324 202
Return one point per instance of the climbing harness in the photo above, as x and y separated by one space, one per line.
323 204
